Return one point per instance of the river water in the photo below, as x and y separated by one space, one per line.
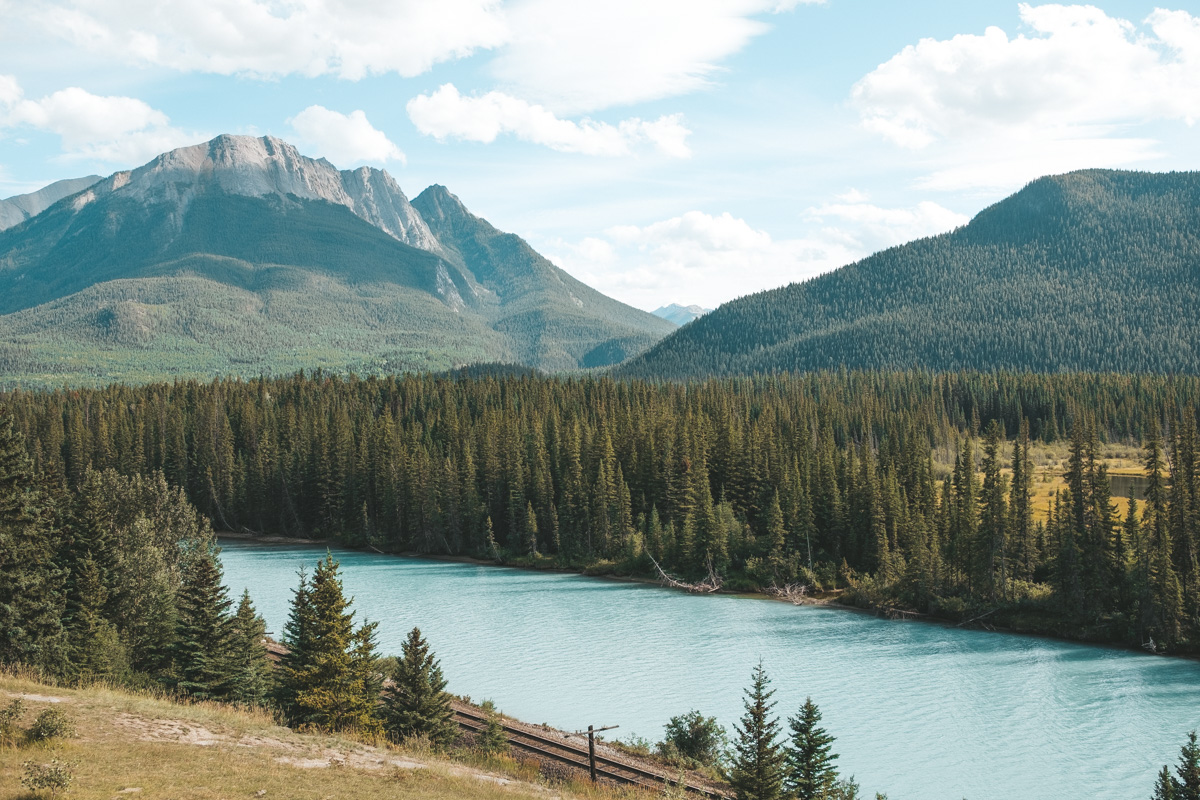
919 710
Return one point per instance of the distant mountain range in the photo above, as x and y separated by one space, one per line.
1093 270
15 210
680 315
241 256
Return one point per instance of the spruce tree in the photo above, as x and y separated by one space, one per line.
328 680
251 667
95 649
418 704
203 647
1024 550
1166 787
1164 609
31 598
1188 782
757 769
990 564
810 771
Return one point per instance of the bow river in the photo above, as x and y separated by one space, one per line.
919 710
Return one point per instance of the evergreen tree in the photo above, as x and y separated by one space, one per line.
203 647
1185 783
757 768
251 667
776 542
1162 612
328 679
1024 549
1188 782
1166 787
419 704
993 522
810 771
95 649
31 598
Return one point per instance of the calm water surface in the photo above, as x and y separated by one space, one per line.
919 710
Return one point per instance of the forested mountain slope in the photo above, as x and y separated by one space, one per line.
241 256
1092 270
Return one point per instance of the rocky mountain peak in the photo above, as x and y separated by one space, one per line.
259 166
438 204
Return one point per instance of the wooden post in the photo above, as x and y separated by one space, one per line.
591 732
592 751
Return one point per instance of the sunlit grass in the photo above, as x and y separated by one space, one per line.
143 745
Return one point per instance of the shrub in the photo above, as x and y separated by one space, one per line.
50 724
54 777
492 738
9 717
694 737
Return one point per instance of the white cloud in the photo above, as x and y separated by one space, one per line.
346 38
706 259
990 164
1062 96
584 56
869 228
571 57
121 130
344 139
447 114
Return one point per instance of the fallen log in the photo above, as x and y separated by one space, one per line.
709 585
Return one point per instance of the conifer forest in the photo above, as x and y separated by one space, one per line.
909 491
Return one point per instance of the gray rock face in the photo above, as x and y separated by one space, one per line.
15 210
260 166
376 197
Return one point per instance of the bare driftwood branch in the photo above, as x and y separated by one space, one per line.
709 585
894 612
976 619
794 593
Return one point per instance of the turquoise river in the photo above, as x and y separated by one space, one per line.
919 710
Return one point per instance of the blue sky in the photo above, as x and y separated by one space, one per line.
661 150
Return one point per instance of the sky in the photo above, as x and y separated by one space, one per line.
687 151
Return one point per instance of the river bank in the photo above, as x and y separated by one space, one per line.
988 621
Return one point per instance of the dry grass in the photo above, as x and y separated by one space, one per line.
1049 466
143 747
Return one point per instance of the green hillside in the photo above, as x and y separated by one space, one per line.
195 281
1095 270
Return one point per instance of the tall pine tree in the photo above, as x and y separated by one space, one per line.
328 679
203 647
757 768
31 598
418 704
810 771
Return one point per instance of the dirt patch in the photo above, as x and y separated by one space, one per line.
168 730
40 698
358 757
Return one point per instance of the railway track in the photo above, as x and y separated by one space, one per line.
562 750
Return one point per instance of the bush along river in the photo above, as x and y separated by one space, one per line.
920 710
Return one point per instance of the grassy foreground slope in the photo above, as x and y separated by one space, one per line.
1096 270
130 745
